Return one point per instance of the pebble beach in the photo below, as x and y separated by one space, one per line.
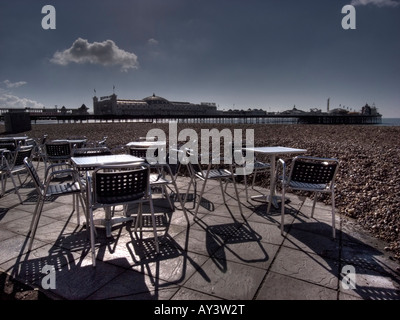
367 183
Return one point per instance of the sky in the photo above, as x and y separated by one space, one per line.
264 54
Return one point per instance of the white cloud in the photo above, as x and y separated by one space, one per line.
11 101
379 3
105 53
152 42
10 84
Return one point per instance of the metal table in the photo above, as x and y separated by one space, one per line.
146 144
273 152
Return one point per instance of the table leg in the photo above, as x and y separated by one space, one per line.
271 198
202 189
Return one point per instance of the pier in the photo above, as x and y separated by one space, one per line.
219 119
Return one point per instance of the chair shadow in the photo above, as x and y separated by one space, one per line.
368 262
141 246
3 212
74 276
274 215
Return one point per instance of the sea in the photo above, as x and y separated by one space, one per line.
390 122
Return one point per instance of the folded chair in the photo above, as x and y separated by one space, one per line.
309 174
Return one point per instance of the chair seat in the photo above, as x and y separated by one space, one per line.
214 174
261 165
158 179
309 186
18 168
64 188
120 199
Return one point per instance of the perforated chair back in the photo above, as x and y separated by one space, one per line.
138 152
314 175
58 151
314 171
21 154
8 145
142 152
114 185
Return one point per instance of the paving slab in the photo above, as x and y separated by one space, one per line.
307 266
222 254
282 287
227 280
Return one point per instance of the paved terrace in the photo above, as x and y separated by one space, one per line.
221 255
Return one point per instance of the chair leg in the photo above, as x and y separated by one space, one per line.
92 237
34 215
2 185
75 203
314 203
245 186
15 186
333 215
167 195
192 181
222 190
282 210
180 198
237 194
138 217
254 179
269 205
201 196
35 221
153 220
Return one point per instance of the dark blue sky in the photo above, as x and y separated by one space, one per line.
239 54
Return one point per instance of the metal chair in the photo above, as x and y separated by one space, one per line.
6 158
257 166
49 189
309 174
109 186
158 172
39 152
17 167
213 173
58 152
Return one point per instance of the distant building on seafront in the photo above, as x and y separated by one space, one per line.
111 105
149 106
